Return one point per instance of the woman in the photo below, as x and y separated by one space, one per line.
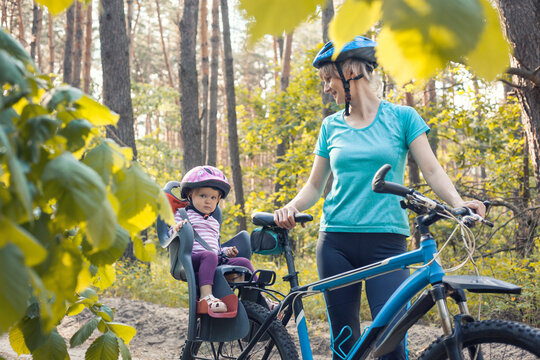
359 227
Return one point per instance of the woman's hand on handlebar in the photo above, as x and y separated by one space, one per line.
476 205
284 217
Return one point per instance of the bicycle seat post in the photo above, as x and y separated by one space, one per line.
292 276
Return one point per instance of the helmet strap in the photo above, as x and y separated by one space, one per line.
347 87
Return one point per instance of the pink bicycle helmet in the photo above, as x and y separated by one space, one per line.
204 176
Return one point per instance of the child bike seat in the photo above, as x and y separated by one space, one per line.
208 328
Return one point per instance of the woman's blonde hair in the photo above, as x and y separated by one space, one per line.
356 67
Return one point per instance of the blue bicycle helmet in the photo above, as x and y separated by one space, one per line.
361 48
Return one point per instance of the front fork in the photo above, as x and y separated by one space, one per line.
453 341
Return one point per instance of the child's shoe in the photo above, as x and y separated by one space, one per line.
215 304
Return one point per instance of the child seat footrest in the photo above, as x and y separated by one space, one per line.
231 301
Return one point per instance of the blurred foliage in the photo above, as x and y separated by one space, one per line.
417 37
69 202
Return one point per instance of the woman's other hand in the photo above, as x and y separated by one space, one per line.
284 217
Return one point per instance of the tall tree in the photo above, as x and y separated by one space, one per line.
203 31
214 73
281 148
189 90
36 33
115 65
51 43
68 47
77 51
234 150
87 55
162 38
521 21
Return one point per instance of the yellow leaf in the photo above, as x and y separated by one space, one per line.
276 16
123 331
105 277
347 23
165 210
16 340
405 55
97 114
56 6
492 55
34 252
83 280
144 251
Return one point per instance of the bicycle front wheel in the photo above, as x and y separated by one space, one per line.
275 344
492 339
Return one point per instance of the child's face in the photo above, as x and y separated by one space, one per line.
205 199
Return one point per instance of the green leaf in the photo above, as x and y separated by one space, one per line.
14 286
84 332
76 132
55 7
16 340
53 349
126 355
276 16
13 47
32 330
34 252
104 347
346 24
17 178
101 227
11 71
419 37
62 97
106 313
491 56
112 253
78 189
123 331
93 111
137 194
106 159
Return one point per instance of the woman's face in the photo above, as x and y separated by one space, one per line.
205 199
334 86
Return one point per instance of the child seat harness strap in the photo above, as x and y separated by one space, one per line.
196 236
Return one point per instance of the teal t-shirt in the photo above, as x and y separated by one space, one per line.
355 156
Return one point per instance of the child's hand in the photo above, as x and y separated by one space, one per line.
179 225
231 252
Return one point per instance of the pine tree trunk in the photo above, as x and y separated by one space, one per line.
51 44
87 55
327 15
214 73
205 75
20 22
189 90
281 148
165 56
430 101
77 52
115 65
4 22
68 47
520 18
234 150
36 32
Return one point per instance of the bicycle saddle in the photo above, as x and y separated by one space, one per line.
267 219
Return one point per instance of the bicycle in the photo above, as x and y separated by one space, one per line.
463 336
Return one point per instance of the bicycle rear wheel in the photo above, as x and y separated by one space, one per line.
495 339
275 344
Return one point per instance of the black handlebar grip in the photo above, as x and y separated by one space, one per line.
380 186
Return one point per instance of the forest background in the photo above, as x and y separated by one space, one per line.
197 81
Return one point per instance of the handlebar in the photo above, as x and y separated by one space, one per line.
421 204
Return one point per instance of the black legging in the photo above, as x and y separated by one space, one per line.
338 252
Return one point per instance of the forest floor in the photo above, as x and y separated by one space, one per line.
161 332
